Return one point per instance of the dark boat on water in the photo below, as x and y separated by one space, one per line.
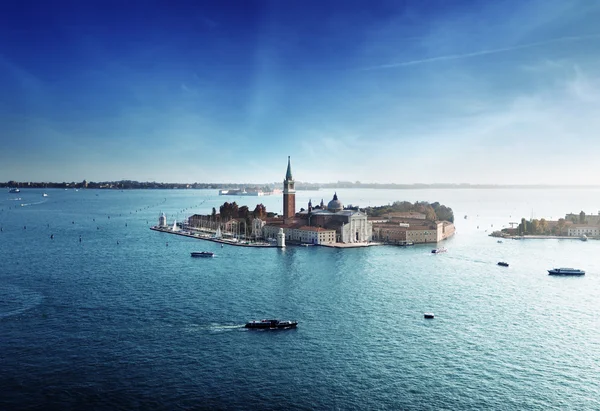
271 324
14 190
203 254
438 250
566 271
503 264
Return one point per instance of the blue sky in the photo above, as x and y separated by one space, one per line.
382 91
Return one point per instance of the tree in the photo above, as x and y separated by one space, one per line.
543 227
523 226
581 217
535 226
214 212
560 225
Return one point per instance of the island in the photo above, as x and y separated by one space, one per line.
332 224
578 226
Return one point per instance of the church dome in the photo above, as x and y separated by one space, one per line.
335 205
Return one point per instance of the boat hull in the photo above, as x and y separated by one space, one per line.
569 273
203 255
271 325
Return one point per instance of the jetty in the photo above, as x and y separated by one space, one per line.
208 237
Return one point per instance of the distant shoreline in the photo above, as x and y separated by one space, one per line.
135 185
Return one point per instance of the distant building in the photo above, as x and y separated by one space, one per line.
414 230
579 230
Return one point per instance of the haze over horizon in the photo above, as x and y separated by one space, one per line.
401 92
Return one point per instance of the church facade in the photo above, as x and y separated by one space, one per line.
319 225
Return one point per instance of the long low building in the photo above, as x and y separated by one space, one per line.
579 230
411 230
298 233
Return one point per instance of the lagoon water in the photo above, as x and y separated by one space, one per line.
125 319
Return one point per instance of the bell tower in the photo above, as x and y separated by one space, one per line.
289 194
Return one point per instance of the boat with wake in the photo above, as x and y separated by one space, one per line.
205 254
14 190
503 264
565 271
438 250
271 324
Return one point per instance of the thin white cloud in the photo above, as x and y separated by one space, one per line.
481 52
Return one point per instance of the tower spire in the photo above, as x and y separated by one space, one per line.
288 174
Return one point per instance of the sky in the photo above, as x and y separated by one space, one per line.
446 91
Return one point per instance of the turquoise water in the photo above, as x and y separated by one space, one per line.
139 324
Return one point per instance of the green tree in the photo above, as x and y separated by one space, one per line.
560 225
535 226
543 226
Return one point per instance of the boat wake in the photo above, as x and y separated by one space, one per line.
15 300
216 328
30 204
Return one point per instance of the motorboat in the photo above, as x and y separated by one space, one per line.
566 271
14 190
438 250
405 243
44 195
203 254
429 316
500 241
271 324
503 264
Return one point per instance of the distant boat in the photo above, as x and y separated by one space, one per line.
44 195
500 241
14 190
429 315
203 254
465 216
583 238
405 243
438 250
503 264
566 271
271 324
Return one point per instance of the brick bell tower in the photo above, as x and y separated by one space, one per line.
289 194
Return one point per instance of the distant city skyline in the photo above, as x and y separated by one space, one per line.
405 92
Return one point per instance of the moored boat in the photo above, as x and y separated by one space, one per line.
203 254
271 324
566 271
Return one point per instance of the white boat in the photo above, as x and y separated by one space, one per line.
218 233
583 238
44 195
438 250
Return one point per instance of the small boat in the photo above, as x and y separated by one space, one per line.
438 250
405 243
44 195
566 271
271 324
583 238
14 190
503 264
429 315
203 254
500 241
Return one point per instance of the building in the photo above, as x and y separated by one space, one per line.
319 225
414 230
289 194
590 220
579 230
